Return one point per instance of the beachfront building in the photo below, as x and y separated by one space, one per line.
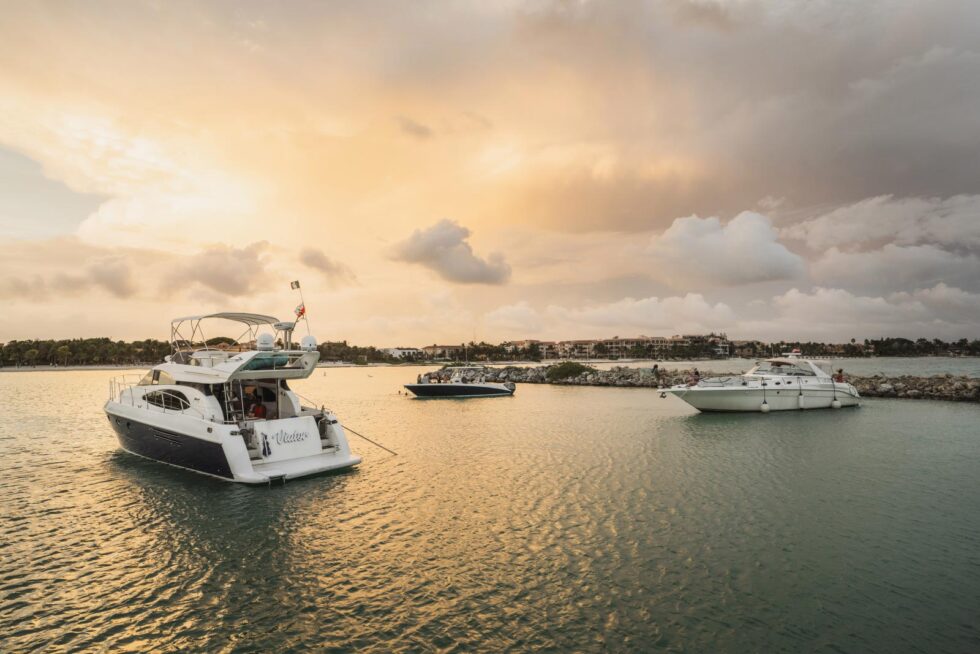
749 349
404 352
640 346
539 349
443 351
581 349
643 346
548 349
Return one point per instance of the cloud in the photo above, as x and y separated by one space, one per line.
114 275
841 117
703 251
896 268
825 314
33 287
687 313
518 318
834 305
414 128
834 314
443 249
69 267
952 223
704 13
335 272
224 270
950 303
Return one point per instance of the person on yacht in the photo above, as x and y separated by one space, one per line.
253 402
839 377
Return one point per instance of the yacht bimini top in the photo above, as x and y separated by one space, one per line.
253 355
252 322
247 318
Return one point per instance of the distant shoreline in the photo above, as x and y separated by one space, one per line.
425 364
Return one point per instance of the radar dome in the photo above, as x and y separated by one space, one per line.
265 342
308 344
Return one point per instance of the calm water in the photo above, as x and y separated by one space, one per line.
563 518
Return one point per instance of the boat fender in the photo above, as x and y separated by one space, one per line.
765 407
835 404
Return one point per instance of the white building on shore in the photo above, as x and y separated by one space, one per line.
404 352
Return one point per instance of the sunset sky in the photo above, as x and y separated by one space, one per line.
448 171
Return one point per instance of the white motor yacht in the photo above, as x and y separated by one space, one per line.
227 411
779 384
460 382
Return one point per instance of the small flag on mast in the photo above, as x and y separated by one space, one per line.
294 285
300 311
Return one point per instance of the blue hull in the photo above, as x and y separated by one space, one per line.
169 447
456 390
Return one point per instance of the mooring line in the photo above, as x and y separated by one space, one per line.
346 428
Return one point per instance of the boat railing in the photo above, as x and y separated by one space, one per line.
720 381
121 383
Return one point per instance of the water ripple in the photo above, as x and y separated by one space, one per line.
561 519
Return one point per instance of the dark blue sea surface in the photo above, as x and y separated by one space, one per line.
562 519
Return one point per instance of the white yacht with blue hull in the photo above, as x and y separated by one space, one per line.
228 412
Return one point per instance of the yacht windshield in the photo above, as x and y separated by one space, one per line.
780 368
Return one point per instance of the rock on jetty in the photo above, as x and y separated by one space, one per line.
941 387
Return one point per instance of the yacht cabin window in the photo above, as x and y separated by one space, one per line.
156 377
173 400
780 368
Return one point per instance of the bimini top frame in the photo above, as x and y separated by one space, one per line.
180 339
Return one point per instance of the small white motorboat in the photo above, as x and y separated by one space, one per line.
779 384
227 411
459 382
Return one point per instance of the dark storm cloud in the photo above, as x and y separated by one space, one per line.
819 103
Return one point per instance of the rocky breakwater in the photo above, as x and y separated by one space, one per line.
942 387
576 374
